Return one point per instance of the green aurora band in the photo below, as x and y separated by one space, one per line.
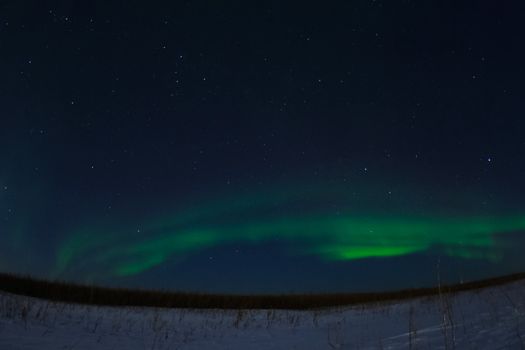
294 217
329 237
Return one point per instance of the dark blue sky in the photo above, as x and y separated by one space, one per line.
262 146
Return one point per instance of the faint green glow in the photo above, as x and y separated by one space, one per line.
360 252
329 237
155 252
140 264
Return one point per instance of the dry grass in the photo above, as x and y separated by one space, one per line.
81 294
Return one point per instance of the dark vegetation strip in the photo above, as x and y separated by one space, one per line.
82 294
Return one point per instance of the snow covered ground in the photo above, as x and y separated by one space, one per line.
492 318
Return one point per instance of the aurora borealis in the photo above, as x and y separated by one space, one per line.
340 237
277 147
332 238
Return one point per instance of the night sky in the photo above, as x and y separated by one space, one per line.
262 146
